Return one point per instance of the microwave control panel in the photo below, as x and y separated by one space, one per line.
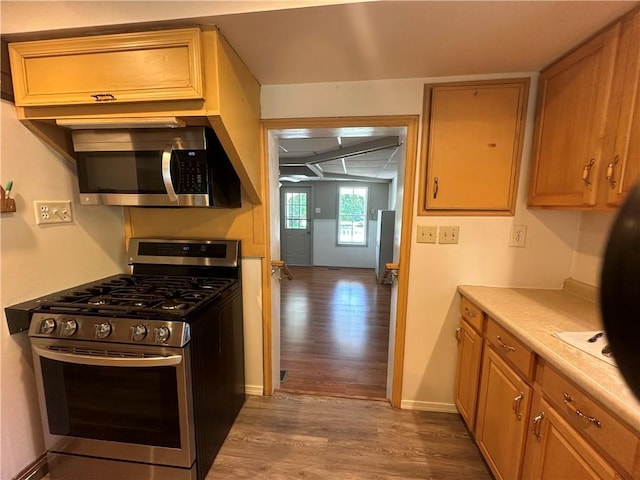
192 171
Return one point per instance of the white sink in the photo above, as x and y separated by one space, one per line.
580 341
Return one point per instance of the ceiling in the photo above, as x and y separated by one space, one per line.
298 41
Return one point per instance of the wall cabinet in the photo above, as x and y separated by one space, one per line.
471 147
134 67
586 132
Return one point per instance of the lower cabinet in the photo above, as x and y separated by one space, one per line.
529 421
502 418
555 450
468 372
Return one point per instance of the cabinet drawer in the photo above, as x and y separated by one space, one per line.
131 67
609 435
472 314
511 349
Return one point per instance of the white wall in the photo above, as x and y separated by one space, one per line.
483 255
37 260
592 241
327 253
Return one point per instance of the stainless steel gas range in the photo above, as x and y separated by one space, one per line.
141 376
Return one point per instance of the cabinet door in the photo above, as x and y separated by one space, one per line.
472 146
623 162
556 451
573 97
503 411
132 67
468 372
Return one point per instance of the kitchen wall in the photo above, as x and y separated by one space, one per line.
592 241
37 260
482 256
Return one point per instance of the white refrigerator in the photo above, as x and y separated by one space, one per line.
384 241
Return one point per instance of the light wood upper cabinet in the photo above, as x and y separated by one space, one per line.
586 145
472 144
131 67
622 161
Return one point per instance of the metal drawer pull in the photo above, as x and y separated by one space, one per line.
458 332
610 171
435 187
517 400
508 348
103 97
586 172
469 313
567 400
536 426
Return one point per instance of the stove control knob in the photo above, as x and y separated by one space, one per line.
139 332
162 334
69 327
47 326
103 330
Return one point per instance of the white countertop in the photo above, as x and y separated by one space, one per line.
534 315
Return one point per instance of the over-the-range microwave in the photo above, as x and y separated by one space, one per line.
176 167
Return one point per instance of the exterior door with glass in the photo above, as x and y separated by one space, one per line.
296 226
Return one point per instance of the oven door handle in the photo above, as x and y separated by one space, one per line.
108 361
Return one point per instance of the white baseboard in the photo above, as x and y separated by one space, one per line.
257 390
428 406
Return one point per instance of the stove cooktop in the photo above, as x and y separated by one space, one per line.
136 295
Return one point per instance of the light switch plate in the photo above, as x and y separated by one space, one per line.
427 234
448 234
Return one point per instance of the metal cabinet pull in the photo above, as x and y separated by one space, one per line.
610 171
435 187
508 348
469 313
567 400
458 332
536 426
586 172
103 97
515 406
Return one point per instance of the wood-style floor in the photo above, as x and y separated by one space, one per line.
334 332
291 436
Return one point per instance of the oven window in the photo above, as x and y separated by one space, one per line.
120 404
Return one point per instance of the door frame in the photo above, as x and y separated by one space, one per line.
411 123
310 217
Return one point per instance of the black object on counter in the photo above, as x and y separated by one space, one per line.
620 289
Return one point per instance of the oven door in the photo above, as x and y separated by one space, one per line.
123 402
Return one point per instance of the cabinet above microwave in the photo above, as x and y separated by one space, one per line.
191 73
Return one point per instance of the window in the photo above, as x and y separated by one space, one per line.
295 211
352 215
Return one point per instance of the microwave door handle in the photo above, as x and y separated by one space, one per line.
166 173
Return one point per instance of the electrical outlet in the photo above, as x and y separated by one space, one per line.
48 212
427 234
448 234
518 236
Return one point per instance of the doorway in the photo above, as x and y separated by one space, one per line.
405 127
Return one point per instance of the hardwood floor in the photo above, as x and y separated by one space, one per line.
301 436
335 332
